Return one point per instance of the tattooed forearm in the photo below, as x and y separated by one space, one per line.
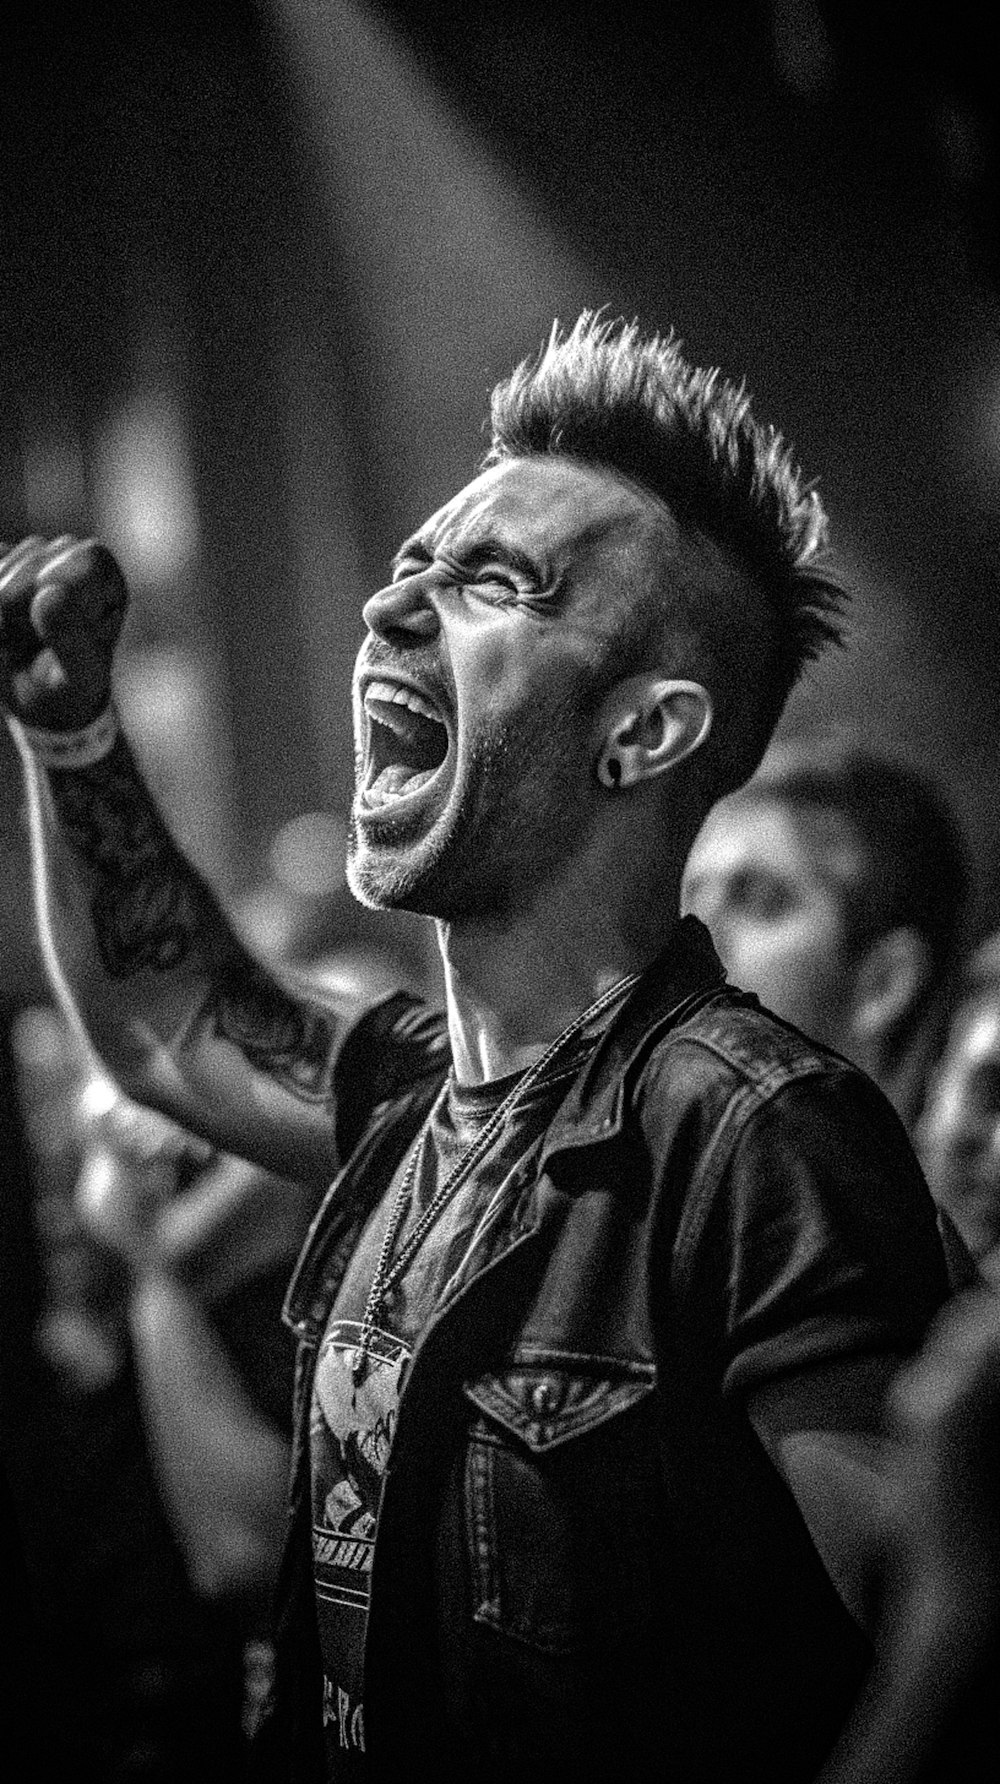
148 907
151 912
289 1040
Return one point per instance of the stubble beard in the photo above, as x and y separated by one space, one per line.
520 815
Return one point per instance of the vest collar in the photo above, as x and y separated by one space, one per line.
684 974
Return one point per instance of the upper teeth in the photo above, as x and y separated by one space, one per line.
400 696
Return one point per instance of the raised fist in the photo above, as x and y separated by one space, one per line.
62 603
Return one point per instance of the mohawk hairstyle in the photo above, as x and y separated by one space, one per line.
607 395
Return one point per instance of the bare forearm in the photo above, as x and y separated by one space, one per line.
222 1468
928 1710
908 1720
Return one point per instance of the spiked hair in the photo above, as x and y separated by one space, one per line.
603 393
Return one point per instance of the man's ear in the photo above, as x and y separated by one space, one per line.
888 981
647 725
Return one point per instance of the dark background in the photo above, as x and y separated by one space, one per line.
296 243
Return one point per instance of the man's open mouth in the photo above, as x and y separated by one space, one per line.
407 741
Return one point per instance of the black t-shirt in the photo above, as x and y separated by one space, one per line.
353 1420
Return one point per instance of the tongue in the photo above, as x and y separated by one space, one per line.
397 778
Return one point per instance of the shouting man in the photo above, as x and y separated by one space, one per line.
615 1268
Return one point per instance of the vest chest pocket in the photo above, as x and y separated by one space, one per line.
550 1451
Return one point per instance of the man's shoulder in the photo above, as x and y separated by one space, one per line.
730 1066
396 1046
734 1099
734 1039
403 1024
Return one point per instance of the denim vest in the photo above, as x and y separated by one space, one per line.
585 1562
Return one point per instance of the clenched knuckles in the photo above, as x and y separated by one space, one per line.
62 604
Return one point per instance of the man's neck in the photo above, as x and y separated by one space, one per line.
514 983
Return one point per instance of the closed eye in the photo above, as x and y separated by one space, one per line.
502 578
482 565
489 575
480 568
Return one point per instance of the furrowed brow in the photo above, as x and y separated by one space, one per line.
414 551
474 556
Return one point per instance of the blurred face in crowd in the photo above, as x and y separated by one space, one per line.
477 687
958 1136
771 887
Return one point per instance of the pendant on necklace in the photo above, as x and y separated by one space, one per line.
364 1355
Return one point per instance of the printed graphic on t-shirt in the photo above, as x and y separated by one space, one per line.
353 1423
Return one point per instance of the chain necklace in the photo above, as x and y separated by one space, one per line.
389 1270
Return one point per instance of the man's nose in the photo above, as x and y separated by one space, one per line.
403 612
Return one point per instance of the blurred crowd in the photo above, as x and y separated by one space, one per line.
146 1401
147 1376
